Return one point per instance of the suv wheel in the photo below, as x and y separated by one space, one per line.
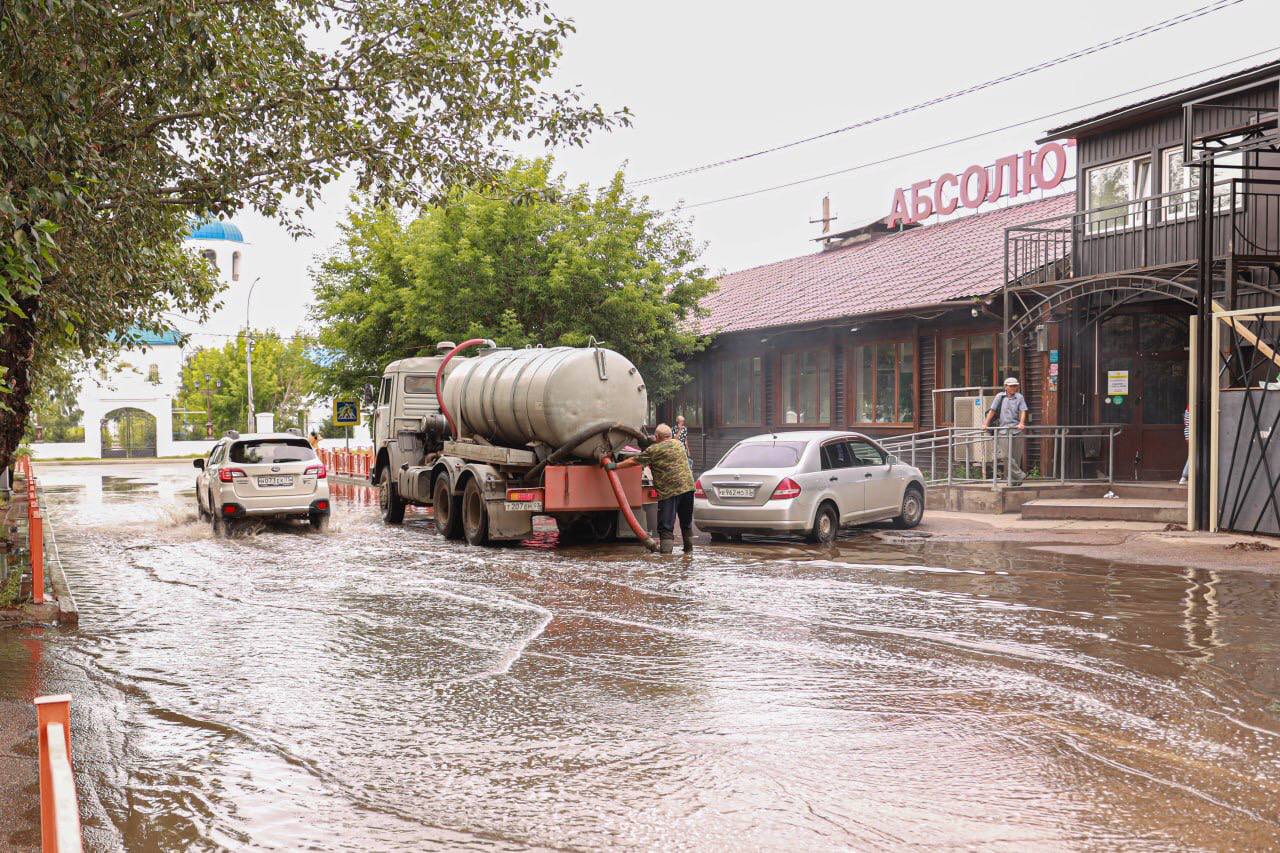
912 508
389 500
448 508
475 515
825 526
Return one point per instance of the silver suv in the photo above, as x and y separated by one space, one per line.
261 475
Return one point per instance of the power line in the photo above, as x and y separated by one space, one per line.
973 136
1198 12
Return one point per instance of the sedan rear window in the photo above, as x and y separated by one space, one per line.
761 454
271 450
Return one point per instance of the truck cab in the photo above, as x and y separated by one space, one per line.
405 396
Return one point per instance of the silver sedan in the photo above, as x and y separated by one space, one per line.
810 483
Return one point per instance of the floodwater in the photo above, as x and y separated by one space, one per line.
375 688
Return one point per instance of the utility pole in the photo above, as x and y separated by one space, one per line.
248 351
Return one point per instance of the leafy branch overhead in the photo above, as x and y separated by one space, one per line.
529 261
123 120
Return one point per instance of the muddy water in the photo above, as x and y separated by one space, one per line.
374 688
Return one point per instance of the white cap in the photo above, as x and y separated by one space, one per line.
1011 381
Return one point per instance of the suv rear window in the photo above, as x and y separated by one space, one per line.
763 454
420 384
271 450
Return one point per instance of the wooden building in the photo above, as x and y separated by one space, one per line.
1088 292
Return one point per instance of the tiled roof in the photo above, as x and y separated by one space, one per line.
917 268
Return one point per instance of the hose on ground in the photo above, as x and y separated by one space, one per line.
625 507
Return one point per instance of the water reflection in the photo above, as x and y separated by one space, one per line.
377 688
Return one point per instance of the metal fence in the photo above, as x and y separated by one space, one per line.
957 455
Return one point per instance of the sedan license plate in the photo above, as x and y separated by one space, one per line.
275 481
735 492
522 506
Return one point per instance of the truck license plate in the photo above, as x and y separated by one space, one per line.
522 506
275 481
735 493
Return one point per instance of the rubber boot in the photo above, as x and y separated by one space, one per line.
686 535
666 543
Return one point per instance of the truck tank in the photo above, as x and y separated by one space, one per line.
515 397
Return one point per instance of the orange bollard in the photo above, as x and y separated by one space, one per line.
35 533
59 811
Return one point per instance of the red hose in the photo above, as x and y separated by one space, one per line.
625 506
453 433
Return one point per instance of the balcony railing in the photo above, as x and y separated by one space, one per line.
1159 231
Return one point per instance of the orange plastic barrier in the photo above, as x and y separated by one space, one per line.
59 809
35 533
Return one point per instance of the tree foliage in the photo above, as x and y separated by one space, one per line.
284 382
123 119
563 267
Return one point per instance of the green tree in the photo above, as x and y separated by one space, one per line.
55 405
559 267
284 383
122 120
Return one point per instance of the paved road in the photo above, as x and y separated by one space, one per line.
375 688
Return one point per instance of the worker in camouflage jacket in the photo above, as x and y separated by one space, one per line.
668 461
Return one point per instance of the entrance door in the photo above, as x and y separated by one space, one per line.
1142 385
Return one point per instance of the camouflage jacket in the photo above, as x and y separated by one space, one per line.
669 464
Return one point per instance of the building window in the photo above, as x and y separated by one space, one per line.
235 266
153 374
969 362
884 383
688 402
739 391
1113 189
211 256
1186 181
804 384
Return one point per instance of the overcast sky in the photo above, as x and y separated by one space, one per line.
708 79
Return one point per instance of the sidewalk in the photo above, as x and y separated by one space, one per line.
1132 542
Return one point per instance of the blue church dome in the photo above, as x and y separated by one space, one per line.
215 229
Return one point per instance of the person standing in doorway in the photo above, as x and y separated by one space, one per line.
681 434
673 479
1008 412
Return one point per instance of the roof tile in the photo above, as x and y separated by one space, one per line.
916 268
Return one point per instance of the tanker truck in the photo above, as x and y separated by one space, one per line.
493 440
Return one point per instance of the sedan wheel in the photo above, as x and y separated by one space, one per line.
825 526
912 509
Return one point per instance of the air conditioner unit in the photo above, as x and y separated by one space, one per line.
972 442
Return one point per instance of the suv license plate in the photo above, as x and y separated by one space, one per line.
522 506
735 493
275 481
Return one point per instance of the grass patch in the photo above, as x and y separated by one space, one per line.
9 592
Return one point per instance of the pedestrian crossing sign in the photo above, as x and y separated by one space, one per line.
346 411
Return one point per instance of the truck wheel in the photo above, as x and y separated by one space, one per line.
475 515
389 501
448 508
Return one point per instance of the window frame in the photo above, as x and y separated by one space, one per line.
853 380
781 404
1136 215
942 415
755 398
1192 189
689 395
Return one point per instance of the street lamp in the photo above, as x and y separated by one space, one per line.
248 350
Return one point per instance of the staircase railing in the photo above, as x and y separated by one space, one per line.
958 455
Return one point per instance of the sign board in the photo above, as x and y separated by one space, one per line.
1053 356
1009 177
1117 382
346 411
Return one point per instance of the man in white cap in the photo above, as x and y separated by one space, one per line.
1009 412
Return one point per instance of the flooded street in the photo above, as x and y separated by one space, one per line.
376 688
